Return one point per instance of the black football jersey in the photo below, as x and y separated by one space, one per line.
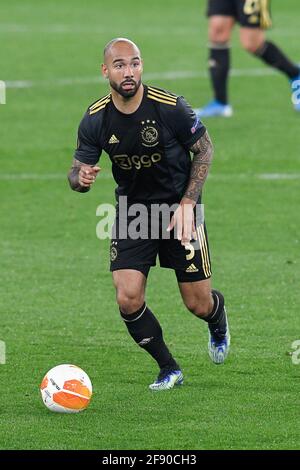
149 149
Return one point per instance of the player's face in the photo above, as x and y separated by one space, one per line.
123 67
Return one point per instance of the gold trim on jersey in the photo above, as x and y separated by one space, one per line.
162 92
204 251
160 100
100 104
161 96
97 103
265 16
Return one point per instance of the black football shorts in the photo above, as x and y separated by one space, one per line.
190 263
248 13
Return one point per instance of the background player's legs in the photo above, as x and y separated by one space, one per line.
219 34
208 305
142 325
253 40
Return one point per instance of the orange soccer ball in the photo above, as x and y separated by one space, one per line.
66 389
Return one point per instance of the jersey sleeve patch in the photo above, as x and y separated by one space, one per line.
187 127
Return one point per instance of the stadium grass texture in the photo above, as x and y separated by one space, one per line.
56 296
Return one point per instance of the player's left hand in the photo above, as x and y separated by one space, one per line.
184 220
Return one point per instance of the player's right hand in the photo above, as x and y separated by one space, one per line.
87 175
184 221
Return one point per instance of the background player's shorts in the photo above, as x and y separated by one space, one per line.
249 13
190 264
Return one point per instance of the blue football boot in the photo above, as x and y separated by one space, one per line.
218 345
166 379
214 109
295 84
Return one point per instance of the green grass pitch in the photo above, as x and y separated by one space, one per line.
57 301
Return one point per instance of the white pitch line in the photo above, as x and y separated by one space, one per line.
171 75
107 175
32 176
279 176
62 28
41 176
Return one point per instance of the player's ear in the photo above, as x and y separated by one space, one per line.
104 70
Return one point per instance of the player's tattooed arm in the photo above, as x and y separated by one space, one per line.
82 176
183 219
203 154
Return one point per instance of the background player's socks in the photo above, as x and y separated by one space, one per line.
147 333
217 318
219 63
273 56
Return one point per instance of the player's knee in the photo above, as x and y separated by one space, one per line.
199 307
129 302
219 38
252 43
219 33
250 47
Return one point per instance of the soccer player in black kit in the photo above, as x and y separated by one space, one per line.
148 134
254 18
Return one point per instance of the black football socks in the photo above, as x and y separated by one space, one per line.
273 56
147 333
219 64
217 318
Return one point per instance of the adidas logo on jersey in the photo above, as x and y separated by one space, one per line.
192 269
113 140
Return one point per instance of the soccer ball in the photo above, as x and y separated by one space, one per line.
66 389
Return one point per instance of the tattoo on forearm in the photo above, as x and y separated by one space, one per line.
203 153
73 177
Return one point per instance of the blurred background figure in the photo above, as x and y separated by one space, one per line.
253 17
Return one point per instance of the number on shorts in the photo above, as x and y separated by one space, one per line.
251 7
